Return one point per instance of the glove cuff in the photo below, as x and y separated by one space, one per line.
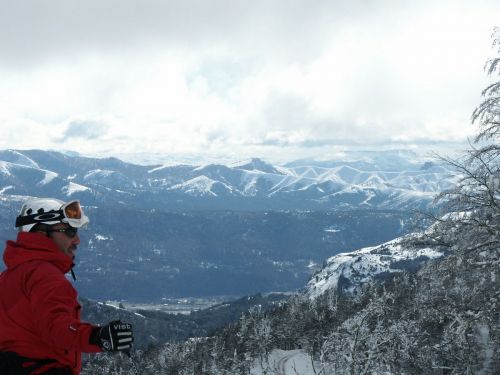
94 338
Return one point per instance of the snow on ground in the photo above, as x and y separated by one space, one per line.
49 176
201 184
285 362
99 173
72 188
100 237
4 168
363 265
24 160
4 189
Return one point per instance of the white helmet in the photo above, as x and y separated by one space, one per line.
50 211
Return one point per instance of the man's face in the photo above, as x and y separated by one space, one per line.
66 244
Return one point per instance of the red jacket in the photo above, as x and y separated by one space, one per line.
39 311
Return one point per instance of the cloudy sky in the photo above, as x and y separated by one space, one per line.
194 80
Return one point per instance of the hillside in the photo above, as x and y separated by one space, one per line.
156 327
445 318
350 272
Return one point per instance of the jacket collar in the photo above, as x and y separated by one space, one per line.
35 246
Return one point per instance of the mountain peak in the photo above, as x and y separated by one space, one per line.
17 157
256 164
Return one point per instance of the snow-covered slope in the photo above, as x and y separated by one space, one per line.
349 271
201 186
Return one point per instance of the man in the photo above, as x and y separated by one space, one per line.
40 327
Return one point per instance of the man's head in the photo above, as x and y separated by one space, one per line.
56 219
65 236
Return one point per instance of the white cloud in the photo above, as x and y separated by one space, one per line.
240 78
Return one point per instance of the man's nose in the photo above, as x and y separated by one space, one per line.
76 239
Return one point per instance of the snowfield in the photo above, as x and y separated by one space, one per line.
362 266
285 362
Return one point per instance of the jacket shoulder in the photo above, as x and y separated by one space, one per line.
39 273
41 268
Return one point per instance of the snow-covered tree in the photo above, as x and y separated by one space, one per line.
473 206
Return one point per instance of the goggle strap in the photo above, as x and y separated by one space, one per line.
39 218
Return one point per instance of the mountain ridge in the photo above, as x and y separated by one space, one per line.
377 182
348 272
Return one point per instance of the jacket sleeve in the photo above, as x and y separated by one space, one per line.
56 310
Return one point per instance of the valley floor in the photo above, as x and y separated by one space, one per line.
174 305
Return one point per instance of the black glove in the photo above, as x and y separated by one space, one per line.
115 336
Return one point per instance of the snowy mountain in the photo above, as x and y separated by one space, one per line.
179 230
348 272
370 180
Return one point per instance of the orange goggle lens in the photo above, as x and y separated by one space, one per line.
73 211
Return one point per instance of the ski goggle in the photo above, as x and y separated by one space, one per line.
70 213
